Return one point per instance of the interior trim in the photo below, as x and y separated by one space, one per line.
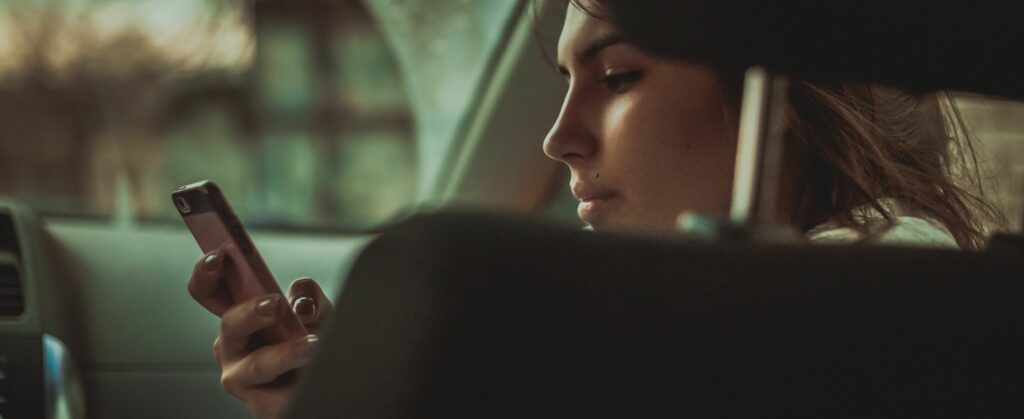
63 395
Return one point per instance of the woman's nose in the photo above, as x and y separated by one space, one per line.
569 139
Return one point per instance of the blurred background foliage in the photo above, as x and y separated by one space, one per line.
306 112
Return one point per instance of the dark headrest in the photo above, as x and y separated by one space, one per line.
916 44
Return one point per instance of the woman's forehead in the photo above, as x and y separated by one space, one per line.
579 30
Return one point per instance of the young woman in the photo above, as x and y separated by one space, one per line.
646 138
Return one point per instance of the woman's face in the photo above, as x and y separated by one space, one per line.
645 138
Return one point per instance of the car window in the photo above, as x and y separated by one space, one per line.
306 114
997 127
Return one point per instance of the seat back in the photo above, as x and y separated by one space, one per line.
456 315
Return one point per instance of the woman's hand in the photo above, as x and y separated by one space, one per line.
254 375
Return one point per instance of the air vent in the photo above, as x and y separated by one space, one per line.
8 239
12 302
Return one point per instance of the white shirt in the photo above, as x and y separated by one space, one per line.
906 229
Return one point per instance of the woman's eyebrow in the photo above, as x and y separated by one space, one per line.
596 46
593 48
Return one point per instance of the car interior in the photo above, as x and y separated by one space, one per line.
391 150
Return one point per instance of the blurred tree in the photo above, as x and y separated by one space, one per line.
80 94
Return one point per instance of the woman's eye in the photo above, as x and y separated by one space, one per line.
620 82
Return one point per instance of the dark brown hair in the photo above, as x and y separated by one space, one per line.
861 143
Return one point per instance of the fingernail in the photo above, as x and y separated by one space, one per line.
269 306
304 307
212 261
311 344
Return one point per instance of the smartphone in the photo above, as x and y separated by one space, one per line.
215 226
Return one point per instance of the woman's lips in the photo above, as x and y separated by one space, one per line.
593 201
593 209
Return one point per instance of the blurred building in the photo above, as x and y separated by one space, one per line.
335 131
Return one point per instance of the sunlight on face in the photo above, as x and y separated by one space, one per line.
644 138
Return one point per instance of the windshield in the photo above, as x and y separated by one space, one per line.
306 113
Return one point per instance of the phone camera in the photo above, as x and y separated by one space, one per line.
182 205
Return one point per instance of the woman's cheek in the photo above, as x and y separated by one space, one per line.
621 123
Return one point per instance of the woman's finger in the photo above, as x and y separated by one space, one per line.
269 362
207 283
310 303
243 320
